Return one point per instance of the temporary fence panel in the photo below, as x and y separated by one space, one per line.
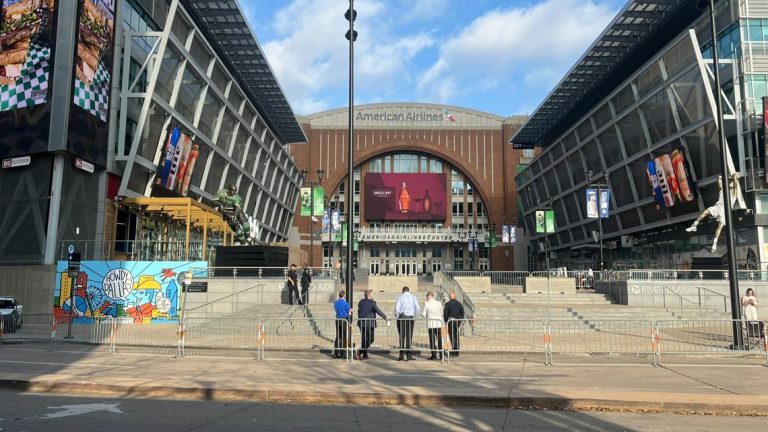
688 337
499 335
32 328
241 334
601 337
157 337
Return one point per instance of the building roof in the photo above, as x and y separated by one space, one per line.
228 32
639 30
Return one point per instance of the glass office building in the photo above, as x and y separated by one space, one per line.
640 98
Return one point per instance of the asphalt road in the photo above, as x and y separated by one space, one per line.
35 412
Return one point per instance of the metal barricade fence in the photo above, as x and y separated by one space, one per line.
282 335
75 329
33 328
600 337
230 334
495 336
156 338
689 337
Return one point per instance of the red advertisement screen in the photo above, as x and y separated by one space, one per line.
405 196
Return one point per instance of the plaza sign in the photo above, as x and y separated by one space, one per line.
407 237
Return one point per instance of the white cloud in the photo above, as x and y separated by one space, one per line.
515 42
310 54
424 9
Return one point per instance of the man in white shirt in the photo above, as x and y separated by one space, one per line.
406 308
433 312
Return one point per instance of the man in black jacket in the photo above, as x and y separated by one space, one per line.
453 309
366 322
306 279
292 283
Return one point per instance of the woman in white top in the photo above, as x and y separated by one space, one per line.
749 303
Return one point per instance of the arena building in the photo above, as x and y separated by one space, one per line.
458 212
641 96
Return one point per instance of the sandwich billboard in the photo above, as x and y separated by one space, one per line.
27 39
88 127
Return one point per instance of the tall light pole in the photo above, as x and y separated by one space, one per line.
733 279
312 184
600 187
544 209
331 227
351 36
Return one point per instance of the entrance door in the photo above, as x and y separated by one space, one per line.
437 265
374 267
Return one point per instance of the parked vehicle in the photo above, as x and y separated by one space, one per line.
11 312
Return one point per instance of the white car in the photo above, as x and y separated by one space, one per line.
11 313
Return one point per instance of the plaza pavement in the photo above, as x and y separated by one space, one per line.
704 384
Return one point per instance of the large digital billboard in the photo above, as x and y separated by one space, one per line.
405 196
177 163
88 126
670 180
27 38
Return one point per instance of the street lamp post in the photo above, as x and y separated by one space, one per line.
472 249
331 227
462 236
600 187
738 340
312 184
545 208
490 245
351 36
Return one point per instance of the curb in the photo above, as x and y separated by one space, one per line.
692 403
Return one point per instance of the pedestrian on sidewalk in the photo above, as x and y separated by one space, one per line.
306 280
406 308
343 316
453 314
366 322
293 285
433 312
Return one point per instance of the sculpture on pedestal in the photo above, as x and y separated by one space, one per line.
228 202
717 211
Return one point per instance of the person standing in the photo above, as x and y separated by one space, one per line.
293 284
433 312
406 308
343 315
453 313
366 321
749 303
306 279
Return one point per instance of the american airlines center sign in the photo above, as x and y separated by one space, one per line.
409 116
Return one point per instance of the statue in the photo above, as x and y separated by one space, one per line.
227 201
717 211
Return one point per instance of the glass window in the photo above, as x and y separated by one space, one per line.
437 252
405 163
423 162
529 153
374 165
435 166
458 208
469 188
658 116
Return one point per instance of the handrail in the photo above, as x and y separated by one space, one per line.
260 285
682 311
725 297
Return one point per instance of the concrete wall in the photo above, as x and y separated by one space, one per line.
392 283
31 285
553 284
712 294
474 284
227 296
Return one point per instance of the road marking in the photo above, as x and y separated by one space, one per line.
73 410
465 376
69 364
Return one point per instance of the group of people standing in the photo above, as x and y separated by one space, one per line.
293 284
406 311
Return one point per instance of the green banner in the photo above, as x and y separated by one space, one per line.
545 221
341 235
490 239
354 245
306 201
319 201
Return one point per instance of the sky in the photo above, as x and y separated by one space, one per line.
498 56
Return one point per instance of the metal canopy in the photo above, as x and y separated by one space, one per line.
228 32
642 27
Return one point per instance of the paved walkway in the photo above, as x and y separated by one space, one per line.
700 385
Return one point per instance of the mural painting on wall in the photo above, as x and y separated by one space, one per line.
145 291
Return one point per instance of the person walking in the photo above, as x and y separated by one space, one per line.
293 285
433 312
366 322
306 279
453 313
343 315
406 308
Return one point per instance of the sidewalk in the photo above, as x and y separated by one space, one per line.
700 385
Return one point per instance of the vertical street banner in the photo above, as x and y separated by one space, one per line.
319 192
306 201
765 129
335 226
490 240
592 203
605 202
545 221
505 234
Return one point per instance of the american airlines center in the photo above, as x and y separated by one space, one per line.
434 189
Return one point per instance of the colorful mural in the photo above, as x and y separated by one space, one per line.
147 291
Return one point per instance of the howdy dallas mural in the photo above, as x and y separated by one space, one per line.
147 291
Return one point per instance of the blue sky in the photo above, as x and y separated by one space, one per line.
498 56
